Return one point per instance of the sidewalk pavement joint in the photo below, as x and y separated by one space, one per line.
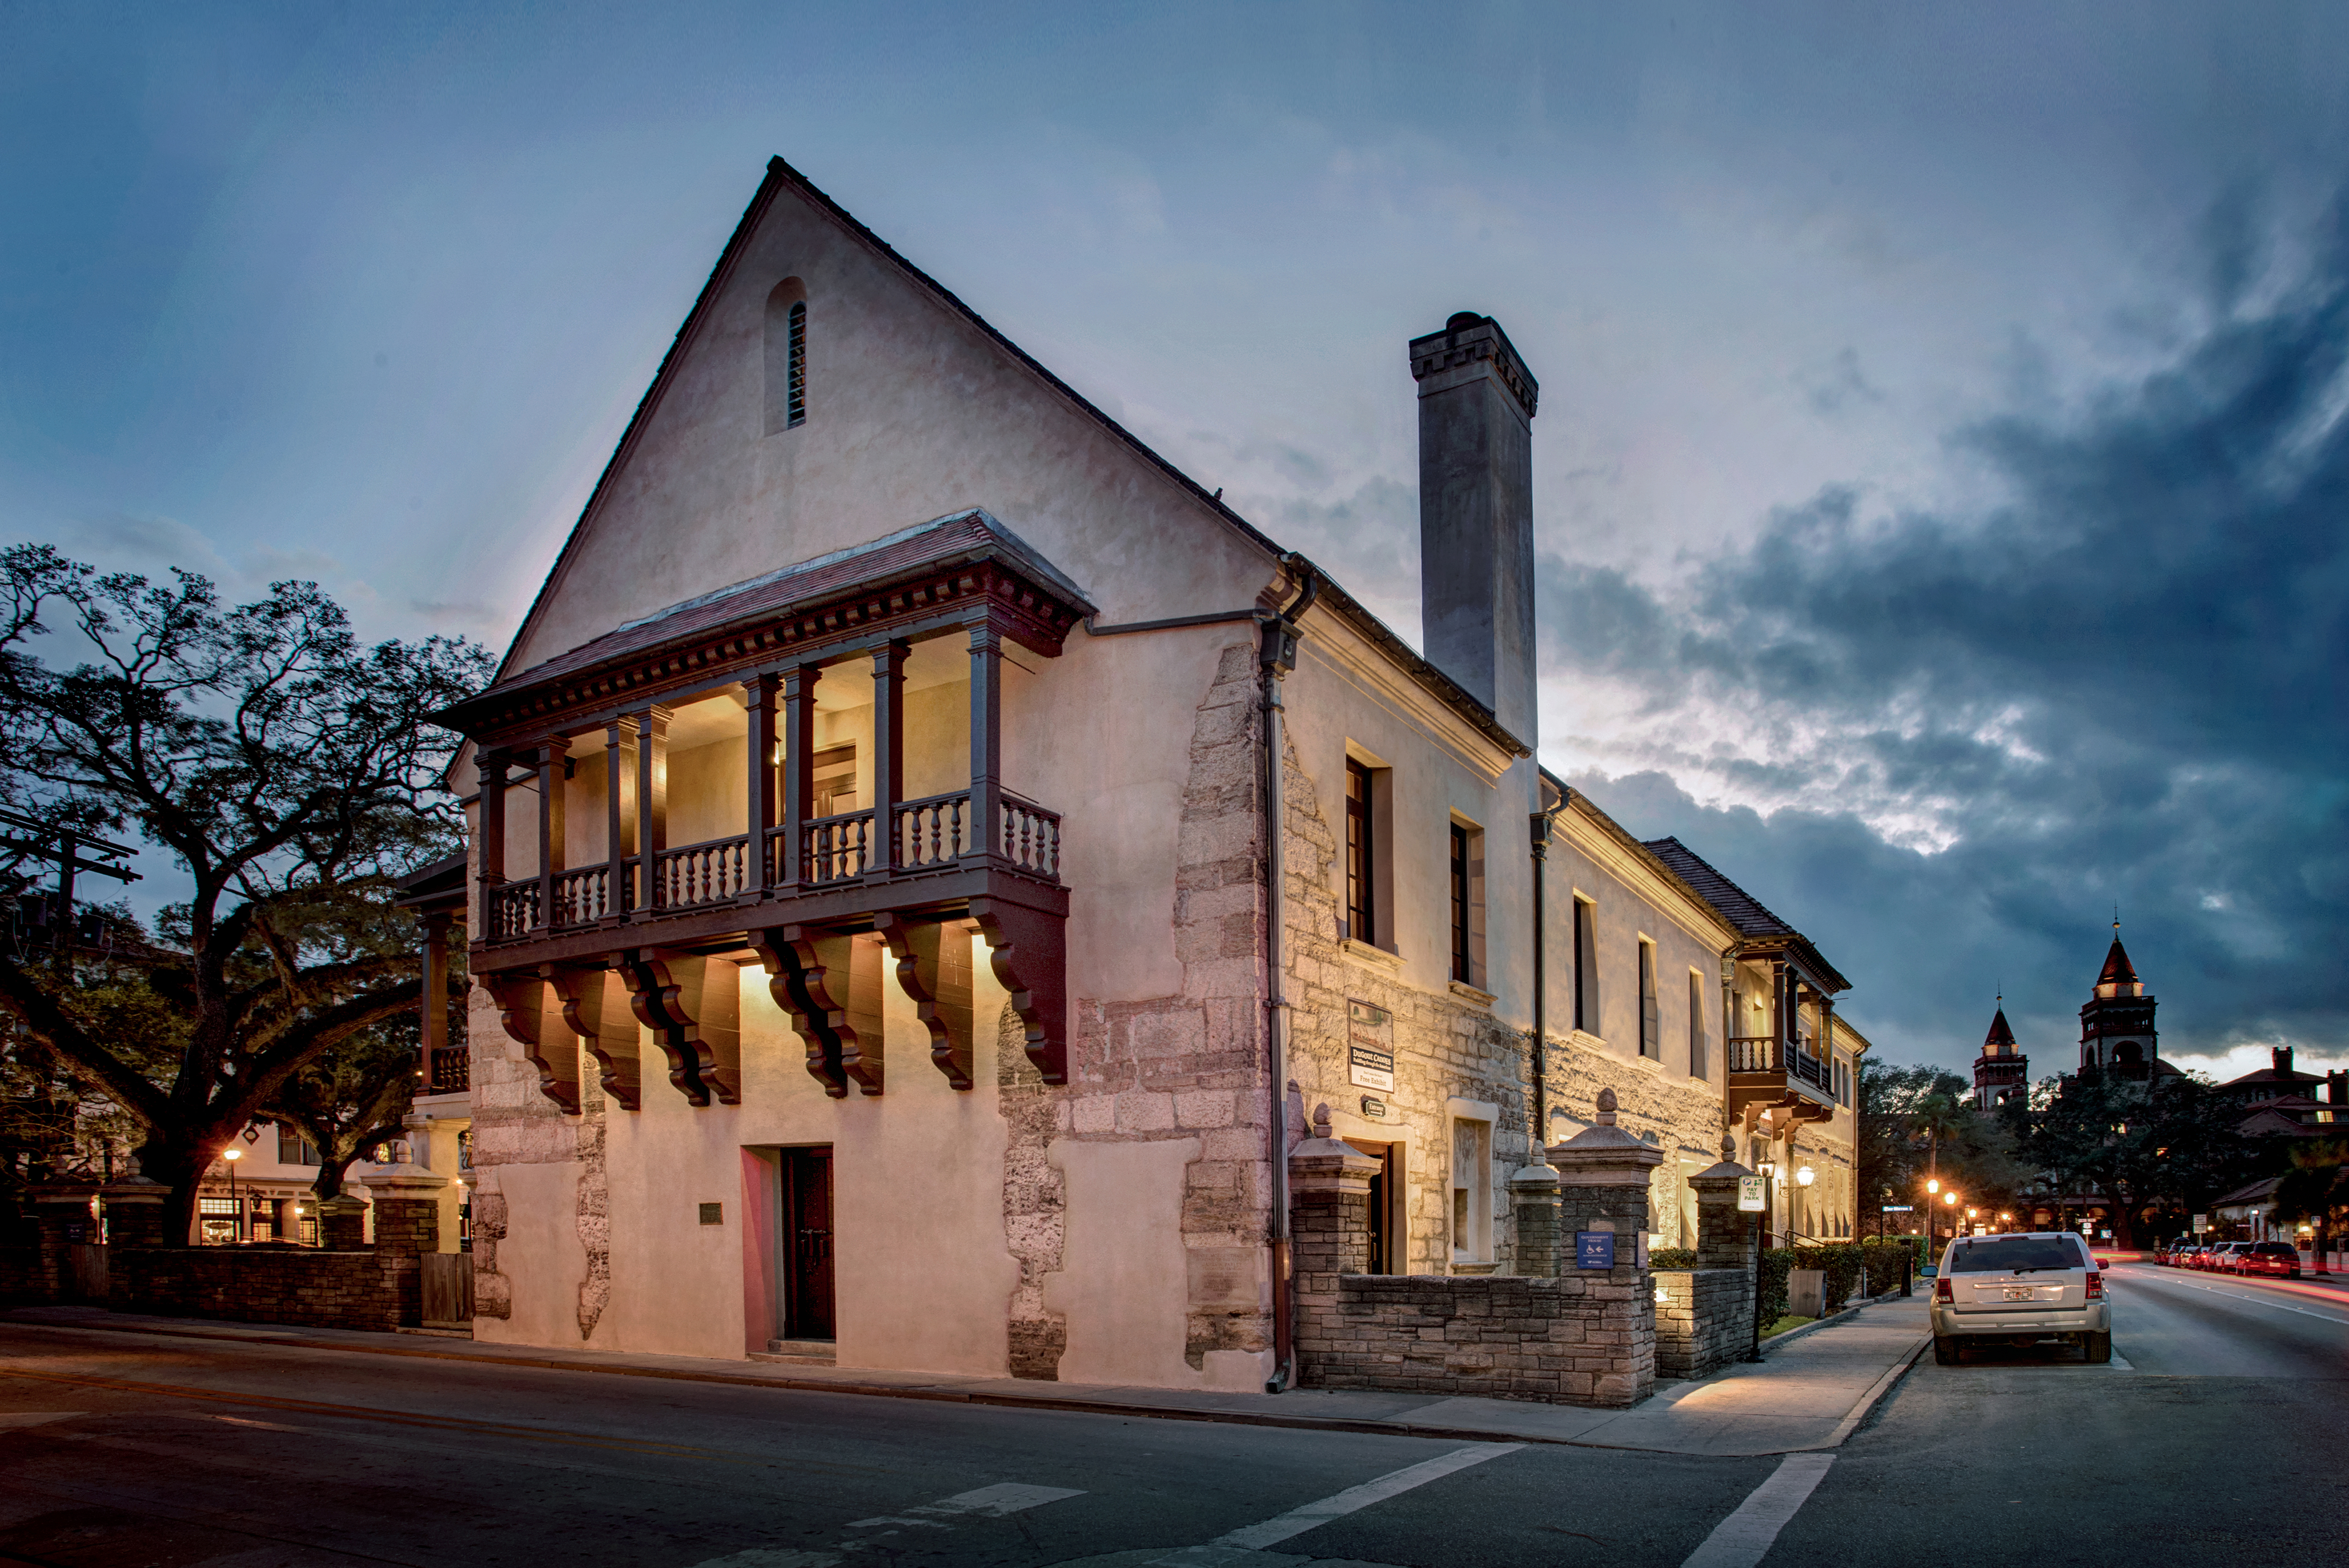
1810 1396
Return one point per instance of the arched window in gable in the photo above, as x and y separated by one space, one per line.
786 379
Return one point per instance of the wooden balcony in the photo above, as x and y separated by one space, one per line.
647 935
1767 1073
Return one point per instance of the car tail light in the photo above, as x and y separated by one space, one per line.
2095 1285
1945 1290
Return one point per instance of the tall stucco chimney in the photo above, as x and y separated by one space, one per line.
1476 515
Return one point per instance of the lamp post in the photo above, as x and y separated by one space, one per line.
232 1155
1767 1169
1933 1192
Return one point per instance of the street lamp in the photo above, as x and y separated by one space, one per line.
232 1155
1766 1169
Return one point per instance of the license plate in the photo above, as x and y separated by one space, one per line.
2023 1294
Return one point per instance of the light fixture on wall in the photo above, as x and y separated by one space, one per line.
1806 1176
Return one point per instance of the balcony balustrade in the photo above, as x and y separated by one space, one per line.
1760 1053
643 943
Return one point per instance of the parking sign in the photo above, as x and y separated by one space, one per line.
1749 1194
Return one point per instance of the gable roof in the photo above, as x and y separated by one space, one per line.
1740 908
780 176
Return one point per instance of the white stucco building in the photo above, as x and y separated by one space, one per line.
883 951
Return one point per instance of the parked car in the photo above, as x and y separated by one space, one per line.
2269 1258
2220 1259
2020 1290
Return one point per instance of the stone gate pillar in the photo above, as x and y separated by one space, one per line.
1329 1235
1534 1193
1603 1174
342 1224
134 1212
1728 1237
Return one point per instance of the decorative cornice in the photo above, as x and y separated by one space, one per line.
1468 340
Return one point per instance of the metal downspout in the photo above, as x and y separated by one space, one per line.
1541 822
1277 655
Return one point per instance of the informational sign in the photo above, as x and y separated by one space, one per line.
2201 1223
1899 1208
1594 1248
1370 1047
1374 1110
1749 1194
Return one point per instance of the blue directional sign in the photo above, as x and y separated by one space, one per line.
1594 1248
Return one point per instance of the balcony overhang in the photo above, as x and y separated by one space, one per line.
928 581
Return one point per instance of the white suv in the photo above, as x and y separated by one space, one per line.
2018 1290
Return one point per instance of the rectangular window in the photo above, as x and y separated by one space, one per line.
1652 1039
1468 878
1586 967
293 1148
1460 904
1697 1064
1362 864
1471 1190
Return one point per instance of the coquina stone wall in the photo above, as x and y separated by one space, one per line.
1704 1320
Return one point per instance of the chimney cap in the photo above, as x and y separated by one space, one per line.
1460 319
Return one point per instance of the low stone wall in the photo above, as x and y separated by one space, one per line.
1705 1320
1567 1340
371 1290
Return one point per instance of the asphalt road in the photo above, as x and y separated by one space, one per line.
2221 1436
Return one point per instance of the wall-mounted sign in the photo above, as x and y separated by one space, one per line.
1370 1047
1749 1194
1899 1208
1373 1108
1594 1248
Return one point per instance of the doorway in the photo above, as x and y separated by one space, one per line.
1386 1183
806 1262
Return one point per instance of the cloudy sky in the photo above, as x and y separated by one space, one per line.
1944 438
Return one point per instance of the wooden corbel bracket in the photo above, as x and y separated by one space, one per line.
532 1018
934 969
693 1006
1029 950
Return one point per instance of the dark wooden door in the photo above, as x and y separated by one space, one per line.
1382 1196
807 1244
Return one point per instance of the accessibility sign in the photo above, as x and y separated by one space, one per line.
1594 1248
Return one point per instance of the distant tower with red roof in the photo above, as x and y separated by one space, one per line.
2001 1072
2116 1033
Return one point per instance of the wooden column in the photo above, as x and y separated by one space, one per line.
1782 1009
619 823
985 742
489 834
436 992
759 748
551 755
799 769
888 754
652 803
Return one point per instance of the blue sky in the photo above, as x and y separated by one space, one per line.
1942 464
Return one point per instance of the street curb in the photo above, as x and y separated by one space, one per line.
1875 1392
886 1391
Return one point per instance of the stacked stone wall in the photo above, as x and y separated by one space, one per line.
377 1289
1704 1320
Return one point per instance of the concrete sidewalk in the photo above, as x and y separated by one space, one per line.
1808 1394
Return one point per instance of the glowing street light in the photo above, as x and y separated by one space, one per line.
232 1155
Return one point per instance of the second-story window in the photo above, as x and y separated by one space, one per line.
1460 904
1651 1040
796 410
1362 864
1586 967
1697 1064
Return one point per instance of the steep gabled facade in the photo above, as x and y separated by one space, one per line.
932 860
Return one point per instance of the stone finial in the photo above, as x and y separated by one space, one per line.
1606 1102
1321 1120
1728 1147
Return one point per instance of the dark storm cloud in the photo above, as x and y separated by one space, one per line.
2123 684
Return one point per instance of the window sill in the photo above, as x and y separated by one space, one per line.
1377 957
1484 999
1459 1267
1650 1064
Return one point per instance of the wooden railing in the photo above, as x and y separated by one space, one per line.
1762 1054
713 872
452 1072
934 830
584 897
1031 837
513 909
836 848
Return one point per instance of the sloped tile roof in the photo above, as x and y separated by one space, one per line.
960 536
1738 906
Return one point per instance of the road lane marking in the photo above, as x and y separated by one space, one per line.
984 1502
1312 1515
2255 1301
1742 1539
